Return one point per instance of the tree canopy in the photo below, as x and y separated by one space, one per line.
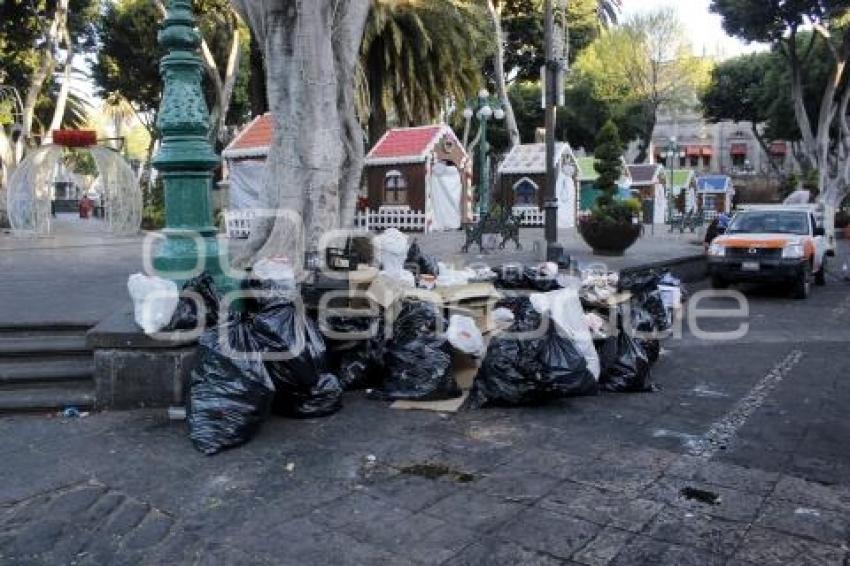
646 63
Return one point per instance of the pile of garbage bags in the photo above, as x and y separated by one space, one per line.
270 358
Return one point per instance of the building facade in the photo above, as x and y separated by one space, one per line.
726 148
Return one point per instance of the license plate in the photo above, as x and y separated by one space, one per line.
750 266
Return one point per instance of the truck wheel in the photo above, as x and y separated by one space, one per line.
820 276
718 282
801 287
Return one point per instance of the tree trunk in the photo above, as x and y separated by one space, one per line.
310 49
230 73
62 99
645 142
48 63
501 84
257 80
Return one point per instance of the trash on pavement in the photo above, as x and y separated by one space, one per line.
529 371
231 392
419 263
418 357
358 359
154 301
625 365
564 308
391 250
275 269
197 292
296 360
464 335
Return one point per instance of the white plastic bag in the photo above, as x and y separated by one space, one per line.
391 248
465 336
401 277
275 269
564 307
154 301
449 277
502 318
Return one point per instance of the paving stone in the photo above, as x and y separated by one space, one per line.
600 506
153 529
494 552
604 547
303 543
413 492
732 504
357 507
681 526
767 547
555 463
474 510
126 517
33 539
548 532
820 524
723 474
515 485
814 494
650 552
76 500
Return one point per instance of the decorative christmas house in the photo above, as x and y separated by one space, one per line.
419 178
715 194
522 182
246 162
648 186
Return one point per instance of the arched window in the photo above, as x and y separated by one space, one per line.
525 192
395 188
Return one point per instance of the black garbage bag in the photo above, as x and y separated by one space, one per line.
261 292
513 277
645 330
417 358
200 290
625 365
230 395
296 360
420 263
358 361
526 318
646 295
530 372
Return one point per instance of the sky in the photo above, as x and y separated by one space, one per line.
704 28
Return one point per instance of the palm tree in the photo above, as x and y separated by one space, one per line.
415 55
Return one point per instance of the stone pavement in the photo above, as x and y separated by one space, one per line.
611 479
80 275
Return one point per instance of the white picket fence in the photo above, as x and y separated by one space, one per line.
237 223
401 218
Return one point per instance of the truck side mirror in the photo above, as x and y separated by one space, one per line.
819 231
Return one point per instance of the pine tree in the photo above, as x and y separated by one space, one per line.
608 164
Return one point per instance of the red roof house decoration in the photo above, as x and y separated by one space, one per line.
423 169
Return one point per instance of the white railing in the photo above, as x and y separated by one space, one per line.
237 223
534 216
401 218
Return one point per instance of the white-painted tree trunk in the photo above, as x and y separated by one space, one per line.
499 68
62 99
48 63
315 162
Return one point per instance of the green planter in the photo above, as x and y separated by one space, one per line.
608 238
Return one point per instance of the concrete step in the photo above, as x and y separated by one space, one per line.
46 398
42 346
34 370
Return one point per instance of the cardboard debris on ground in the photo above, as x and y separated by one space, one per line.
445 406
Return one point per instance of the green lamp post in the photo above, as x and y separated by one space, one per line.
485 108
185 158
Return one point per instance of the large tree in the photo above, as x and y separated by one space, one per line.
648 63
316 158
824 133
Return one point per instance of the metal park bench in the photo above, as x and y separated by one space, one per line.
506 224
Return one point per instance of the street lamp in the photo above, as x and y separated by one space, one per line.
484 108
671 153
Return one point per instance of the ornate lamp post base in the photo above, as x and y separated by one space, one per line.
186 159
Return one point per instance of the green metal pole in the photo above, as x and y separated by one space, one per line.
484 177
186 158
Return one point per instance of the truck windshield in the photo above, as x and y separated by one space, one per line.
769 222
